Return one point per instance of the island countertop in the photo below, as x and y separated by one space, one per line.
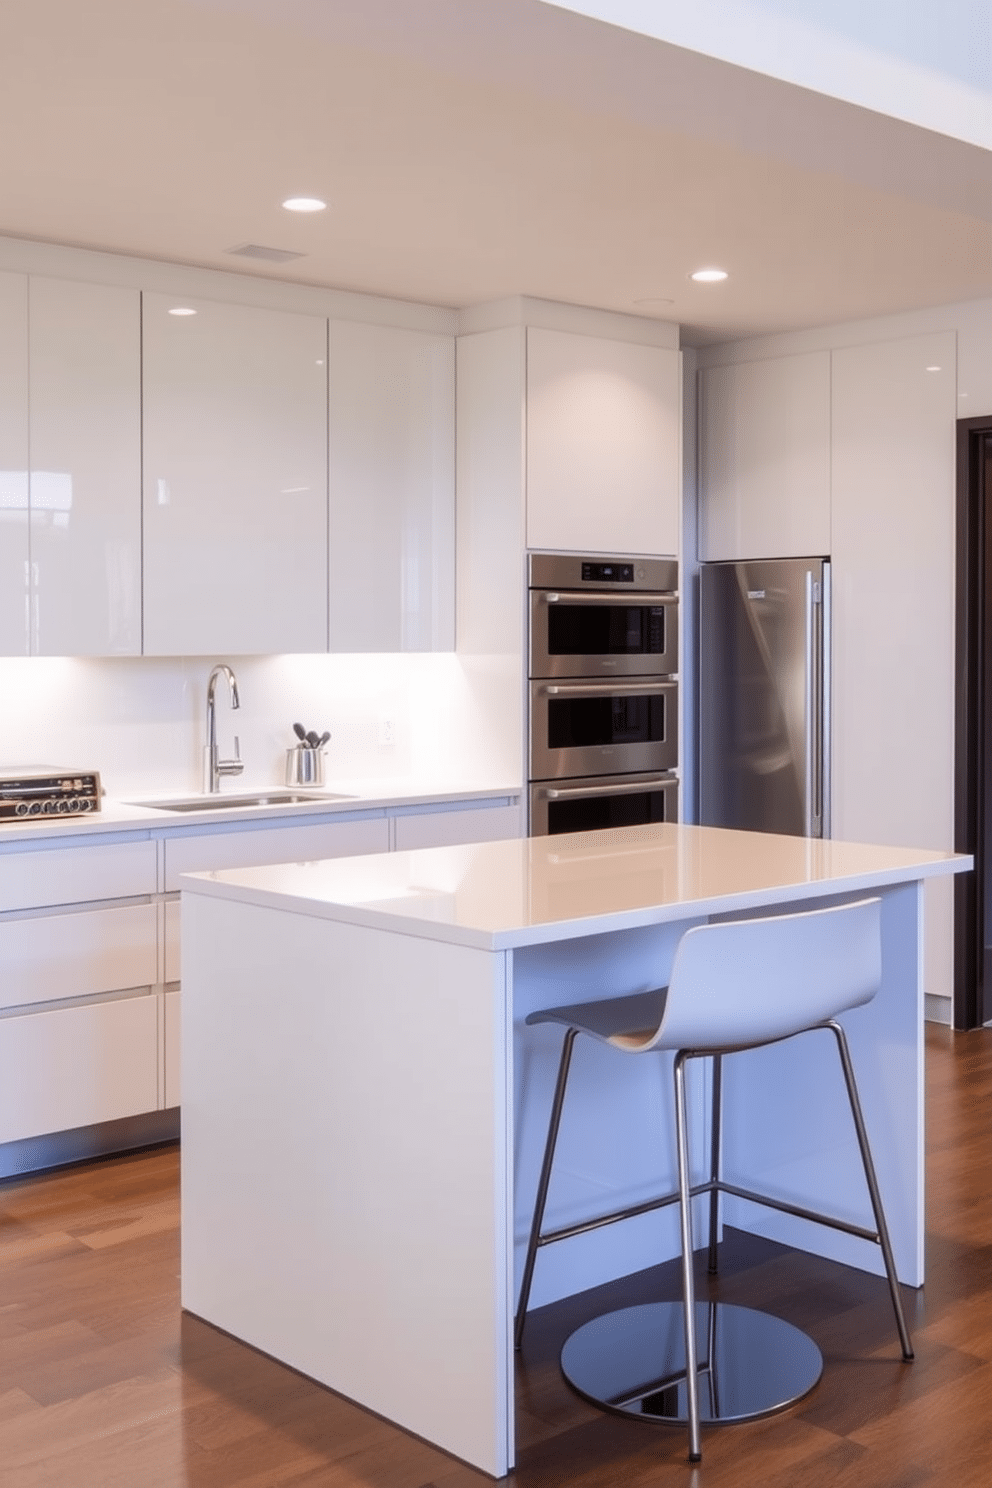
528 891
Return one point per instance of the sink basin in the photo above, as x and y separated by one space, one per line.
227 803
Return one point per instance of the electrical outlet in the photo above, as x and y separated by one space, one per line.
387 732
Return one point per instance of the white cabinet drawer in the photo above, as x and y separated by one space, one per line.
69 875
296 844
77 1066
449 828
77 955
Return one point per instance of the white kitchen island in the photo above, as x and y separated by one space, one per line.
363 1109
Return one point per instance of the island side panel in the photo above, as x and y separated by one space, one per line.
346 1191
787 1124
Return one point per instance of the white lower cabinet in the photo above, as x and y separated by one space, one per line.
78 1018
247 849
36 878
78 1066
53 957
449 828
90 1003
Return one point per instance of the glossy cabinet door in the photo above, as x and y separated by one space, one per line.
235 479
893 453
391 441
14 556
603 445
85 483
765 459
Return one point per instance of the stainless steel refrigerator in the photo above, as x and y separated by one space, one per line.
764 673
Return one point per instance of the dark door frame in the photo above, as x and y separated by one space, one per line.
972 734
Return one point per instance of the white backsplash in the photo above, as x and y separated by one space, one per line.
431 720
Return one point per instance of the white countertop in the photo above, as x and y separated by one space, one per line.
525 891
355 796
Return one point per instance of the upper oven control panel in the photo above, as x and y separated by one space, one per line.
577 572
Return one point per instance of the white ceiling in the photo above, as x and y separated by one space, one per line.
475 149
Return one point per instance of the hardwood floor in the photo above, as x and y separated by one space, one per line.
103 1382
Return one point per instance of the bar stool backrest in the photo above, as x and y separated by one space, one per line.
741 982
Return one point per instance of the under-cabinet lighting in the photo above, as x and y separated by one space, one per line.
304 204
182 310
708 276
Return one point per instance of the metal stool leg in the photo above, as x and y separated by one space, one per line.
876 1197
717 1118
688 1289
542 1185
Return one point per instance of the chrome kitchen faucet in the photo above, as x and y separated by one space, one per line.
213 766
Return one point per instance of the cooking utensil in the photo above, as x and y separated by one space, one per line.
313 738
300 732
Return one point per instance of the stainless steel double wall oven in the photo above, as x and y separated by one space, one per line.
603 692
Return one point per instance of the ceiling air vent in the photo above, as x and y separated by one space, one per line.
271 255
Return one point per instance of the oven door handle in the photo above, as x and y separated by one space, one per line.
620 688
628 788
630 600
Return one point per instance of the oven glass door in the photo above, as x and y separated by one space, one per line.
590 805
590 728
596 635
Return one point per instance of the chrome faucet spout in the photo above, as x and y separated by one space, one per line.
213 766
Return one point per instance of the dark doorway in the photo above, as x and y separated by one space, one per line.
973 725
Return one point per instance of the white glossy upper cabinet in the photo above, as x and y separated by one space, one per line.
765 459
235 493
85 483
603 445
391 441
14 569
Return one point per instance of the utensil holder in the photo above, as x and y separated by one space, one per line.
304 766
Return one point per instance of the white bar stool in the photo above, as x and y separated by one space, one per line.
735 985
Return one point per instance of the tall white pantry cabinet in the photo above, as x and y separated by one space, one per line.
847 452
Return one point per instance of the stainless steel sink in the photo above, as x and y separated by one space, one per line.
227 803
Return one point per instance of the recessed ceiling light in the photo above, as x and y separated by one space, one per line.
708 276
304 204
934 369
182 310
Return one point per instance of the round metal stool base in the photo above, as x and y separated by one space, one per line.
748 1363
